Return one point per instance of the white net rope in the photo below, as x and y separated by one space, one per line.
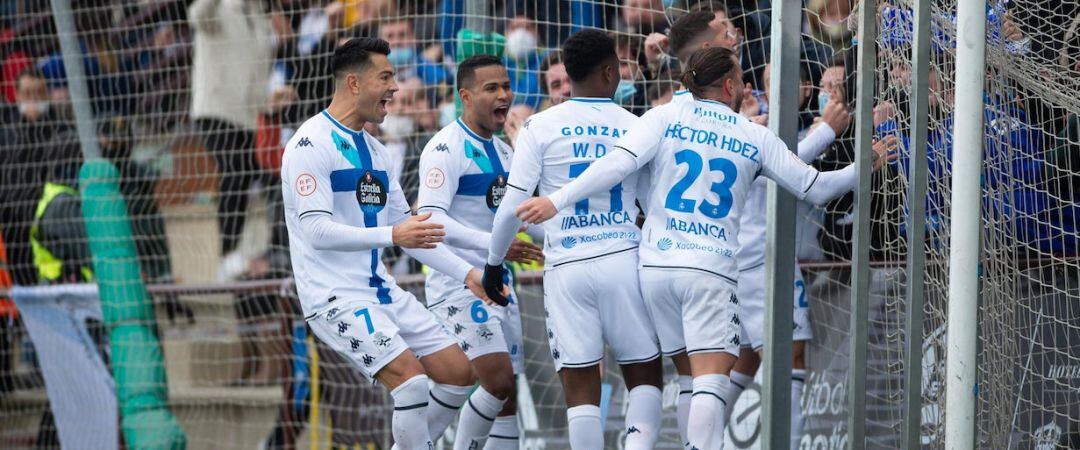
194 99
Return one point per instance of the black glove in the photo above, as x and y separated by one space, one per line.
493 284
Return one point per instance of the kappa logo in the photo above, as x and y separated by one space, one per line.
473 445
734 299
342 327
458 328
331 313
735 340
633 430
343 146
355 344
554 353
304 142
465 346
368 359
526 124
735 319
451 311
442 148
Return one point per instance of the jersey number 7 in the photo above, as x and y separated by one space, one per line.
581 208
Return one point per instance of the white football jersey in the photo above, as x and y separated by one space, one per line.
554 147
328 168
703 158
464 176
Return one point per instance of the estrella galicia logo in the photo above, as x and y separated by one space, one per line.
569 242
495 192
663 244
371 193
381 340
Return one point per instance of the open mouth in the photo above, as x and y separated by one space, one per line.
382 105
500 112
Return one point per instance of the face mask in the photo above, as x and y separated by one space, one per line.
396 126
447 114
40 107
626 92
822 100
401 56
520 43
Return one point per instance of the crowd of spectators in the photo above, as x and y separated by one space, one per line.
240 75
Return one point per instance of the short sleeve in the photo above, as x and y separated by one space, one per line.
643 139
306 177
440 168
528 161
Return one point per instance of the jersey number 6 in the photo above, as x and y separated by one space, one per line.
694 163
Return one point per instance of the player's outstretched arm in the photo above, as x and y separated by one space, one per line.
325 234
807 183
599 177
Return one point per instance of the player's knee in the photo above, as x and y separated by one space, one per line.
501 387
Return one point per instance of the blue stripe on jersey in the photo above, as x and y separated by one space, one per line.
494 164
359 155
477 184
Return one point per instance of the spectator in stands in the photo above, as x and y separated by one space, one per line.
34 146
554 80
409 124
523 61
697 29
642 16
631 91
661 90
233 56
405 56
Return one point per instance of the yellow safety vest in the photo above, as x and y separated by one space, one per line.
49 266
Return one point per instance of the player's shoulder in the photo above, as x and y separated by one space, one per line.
311 138
446 141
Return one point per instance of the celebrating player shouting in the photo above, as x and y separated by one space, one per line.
464 180
591 291
703 158
342 207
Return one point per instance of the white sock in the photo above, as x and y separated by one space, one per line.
682 409
410 414
798 380
705 412
643 417
739 382
446 400
586 431
477 416
504 434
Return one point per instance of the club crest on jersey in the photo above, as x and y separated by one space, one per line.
381 340
495 192
485 333
371 192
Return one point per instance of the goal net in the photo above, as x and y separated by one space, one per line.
192 102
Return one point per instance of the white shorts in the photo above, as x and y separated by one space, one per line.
752 307
693 311
371 335
593 302
482 329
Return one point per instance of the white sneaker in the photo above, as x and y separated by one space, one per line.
232 266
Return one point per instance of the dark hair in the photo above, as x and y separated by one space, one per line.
356 53
705 67
687 30
466 71
552 59
32 72
586 50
